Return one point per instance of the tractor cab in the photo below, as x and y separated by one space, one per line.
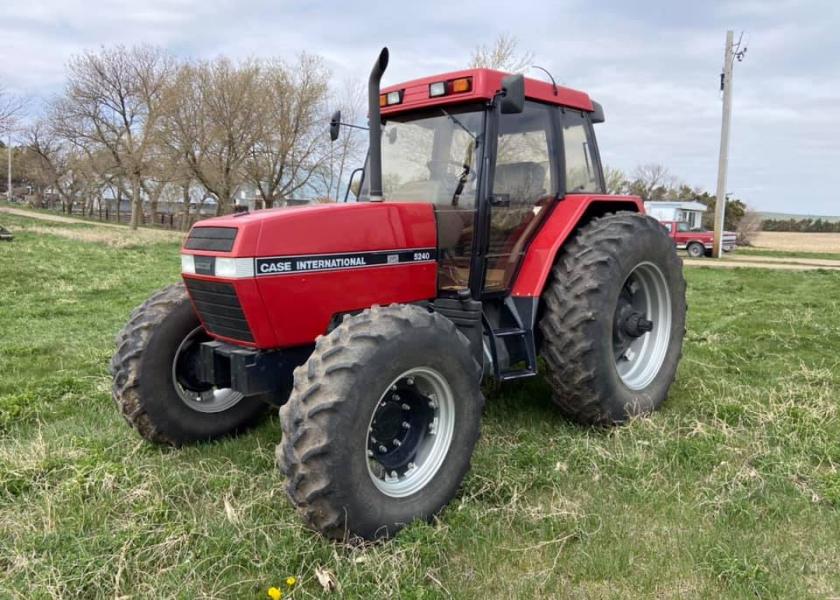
493 153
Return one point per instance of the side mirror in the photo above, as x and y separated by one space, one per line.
356 183
513 94
335 125
597 115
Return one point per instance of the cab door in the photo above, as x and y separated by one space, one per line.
524 181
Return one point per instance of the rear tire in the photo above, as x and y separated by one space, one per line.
606 282
332 463
145 370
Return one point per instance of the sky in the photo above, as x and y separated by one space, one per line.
654 66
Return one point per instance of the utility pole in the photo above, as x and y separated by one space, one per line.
731 52
9 180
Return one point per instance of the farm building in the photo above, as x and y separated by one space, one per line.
689 212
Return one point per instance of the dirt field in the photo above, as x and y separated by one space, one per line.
798 242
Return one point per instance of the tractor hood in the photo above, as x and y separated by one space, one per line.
317 229
276 278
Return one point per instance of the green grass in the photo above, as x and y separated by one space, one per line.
786 253
731 490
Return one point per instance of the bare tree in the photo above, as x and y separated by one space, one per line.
215 116
503 55
652 182
748 227
45 162
616 180
291 146
114 100
11 107
55 165
164 169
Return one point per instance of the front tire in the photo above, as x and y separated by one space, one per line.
614 320
154 379
381 424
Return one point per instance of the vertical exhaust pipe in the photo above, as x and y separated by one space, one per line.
375 127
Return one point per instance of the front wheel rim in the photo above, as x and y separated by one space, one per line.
410 432
642 326
211 400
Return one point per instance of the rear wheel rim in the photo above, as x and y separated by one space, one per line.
645 298
410 432
209 399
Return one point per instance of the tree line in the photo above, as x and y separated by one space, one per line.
136 123
653 182
804 225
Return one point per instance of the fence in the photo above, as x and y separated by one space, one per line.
169 215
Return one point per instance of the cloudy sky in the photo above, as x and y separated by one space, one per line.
653 64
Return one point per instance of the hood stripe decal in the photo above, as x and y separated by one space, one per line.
314 263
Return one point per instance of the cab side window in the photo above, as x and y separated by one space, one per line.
581 167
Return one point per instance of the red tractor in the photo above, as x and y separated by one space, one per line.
481 239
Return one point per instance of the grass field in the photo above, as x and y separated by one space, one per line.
753 251
731 490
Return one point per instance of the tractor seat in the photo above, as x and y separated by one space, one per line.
520 185
521 181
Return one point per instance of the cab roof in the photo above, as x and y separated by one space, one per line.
486 83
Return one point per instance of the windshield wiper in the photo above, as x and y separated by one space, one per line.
461 125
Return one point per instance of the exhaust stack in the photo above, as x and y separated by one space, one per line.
375 127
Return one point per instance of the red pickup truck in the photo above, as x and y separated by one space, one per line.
696 242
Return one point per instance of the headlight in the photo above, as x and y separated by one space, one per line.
187 264
218 266
234 267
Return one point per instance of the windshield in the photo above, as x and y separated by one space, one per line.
431 156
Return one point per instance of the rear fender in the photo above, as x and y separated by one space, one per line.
568 215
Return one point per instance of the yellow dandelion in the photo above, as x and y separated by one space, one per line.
290 581
274 593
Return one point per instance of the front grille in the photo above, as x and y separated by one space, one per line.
219 309
218 239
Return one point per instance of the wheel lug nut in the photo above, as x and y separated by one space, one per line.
406 425
405 406
410 381
383 449
370 452
395 397
397 443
